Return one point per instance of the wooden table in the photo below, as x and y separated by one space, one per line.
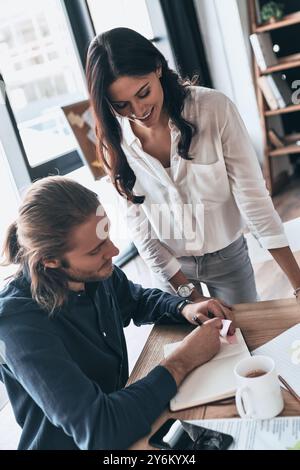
260 322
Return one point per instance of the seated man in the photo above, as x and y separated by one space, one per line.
61 328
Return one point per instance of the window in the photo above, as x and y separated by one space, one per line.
8 192
143 16
42 72
116 13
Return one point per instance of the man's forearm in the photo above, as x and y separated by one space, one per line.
286 260
176 368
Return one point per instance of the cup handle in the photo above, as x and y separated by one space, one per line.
243 404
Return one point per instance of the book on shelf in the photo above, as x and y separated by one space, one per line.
275 140
267 92
280 89
263 50
275 90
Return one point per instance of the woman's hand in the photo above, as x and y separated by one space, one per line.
210 308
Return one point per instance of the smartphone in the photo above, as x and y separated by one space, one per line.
178 435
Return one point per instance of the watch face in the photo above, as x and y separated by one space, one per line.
184 291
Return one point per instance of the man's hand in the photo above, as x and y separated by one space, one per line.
201 345
204 310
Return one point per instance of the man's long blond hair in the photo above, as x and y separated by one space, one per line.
52 208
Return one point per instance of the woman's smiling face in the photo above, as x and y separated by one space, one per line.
139 99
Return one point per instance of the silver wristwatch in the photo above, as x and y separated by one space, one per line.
185 290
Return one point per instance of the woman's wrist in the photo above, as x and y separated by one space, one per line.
196 296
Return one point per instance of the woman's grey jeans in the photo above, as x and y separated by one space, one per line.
227 273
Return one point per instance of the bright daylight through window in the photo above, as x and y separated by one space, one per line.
41 69
115 13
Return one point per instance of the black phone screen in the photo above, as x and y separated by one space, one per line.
178 435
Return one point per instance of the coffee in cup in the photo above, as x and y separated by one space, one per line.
258 392
255 373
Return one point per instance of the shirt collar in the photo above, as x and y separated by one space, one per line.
128 135
172 126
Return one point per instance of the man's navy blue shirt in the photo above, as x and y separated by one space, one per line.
65 374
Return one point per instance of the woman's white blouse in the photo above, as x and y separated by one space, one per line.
201 205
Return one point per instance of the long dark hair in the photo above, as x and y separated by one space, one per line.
124 52
52 208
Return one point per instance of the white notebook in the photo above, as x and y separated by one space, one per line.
214 380
285 350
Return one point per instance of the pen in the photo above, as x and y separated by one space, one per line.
197 320
292 392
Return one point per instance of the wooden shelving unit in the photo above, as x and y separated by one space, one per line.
280 67
286 63
284 150
287 20
289 109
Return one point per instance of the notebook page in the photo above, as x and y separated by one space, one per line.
213 380
227 349
285 350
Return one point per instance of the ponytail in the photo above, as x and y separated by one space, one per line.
51 209
11 248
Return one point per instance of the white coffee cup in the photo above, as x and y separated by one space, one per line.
258 392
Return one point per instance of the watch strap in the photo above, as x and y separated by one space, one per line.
181 305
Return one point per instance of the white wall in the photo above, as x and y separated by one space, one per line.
225 28
228 55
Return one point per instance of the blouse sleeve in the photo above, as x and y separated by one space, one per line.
157 257
247 182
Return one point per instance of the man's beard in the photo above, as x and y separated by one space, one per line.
73 277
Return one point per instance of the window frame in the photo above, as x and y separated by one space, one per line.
65 162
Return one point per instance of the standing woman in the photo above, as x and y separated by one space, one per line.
182 162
